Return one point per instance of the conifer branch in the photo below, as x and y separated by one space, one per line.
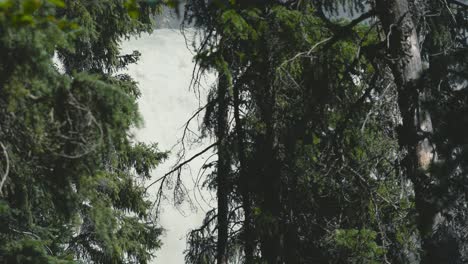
339 28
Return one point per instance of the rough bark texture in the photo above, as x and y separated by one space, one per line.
222 170
416 132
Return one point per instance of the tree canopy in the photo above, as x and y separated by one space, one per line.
339 126
336 116
72 173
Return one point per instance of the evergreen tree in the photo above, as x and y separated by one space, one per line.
72 174
339 127
335 155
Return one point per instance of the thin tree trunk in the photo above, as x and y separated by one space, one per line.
415 135
222 170
273 244
244 184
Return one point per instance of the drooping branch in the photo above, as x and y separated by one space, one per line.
360 19
178 167
336 28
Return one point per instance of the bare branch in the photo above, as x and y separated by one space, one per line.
360 19
339 28
32 235
178 167
305 53
7 170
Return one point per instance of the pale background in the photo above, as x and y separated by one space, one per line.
164 73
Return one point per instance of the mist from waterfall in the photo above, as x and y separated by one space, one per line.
164 73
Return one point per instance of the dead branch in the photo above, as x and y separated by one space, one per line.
178 167
7 170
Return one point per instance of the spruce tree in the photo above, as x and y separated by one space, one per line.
340 140
72 174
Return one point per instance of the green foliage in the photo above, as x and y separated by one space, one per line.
30 251
361 243
320 152
103 25
73 191
235 26
319 162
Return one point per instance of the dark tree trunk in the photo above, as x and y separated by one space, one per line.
416 132
272 238
244 183
272 249
222 169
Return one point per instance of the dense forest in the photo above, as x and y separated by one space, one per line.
340 129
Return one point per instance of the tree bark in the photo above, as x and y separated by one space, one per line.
416 131
222 169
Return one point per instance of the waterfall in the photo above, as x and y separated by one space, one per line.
164 73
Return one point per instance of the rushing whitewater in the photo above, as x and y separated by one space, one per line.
164 73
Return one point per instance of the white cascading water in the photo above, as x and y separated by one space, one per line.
164 73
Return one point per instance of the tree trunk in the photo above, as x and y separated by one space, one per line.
272 244
272 239
416 132
222 169
244 184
